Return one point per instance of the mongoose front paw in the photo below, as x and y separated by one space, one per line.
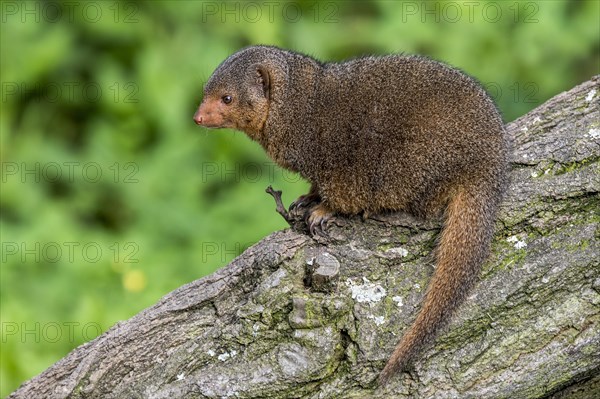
317 218
305 200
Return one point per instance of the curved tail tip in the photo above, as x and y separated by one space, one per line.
387 373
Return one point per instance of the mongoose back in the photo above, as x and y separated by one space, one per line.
373 134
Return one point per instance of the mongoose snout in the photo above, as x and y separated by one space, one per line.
198 118
209 114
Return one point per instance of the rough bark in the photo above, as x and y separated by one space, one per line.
293 317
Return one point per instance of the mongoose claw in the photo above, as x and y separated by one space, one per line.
318 228
317 218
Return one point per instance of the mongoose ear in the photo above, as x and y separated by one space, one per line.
263 79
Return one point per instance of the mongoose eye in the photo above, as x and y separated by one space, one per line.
227 99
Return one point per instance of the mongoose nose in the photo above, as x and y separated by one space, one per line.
198 118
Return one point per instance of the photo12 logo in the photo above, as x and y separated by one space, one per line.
251 172
469 11
49 332
69 172
69 252
517 92
89 92
221 251
69 11
269 11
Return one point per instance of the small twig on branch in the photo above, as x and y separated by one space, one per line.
276 194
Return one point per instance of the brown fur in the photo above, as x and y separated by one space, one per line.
397 132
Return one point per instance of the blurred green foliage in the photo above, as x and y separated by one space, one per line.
111 197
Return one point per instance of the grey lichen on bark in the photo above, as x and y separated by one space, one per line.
294 317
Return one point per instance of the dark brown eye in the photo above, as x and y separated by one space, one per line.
227 99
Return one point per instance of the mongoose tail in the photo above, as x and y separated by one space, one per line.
463 247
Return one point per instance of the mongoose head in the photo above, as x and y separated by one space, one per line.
237 94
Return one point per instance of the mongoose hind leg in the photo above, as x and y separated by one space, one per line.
317 217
